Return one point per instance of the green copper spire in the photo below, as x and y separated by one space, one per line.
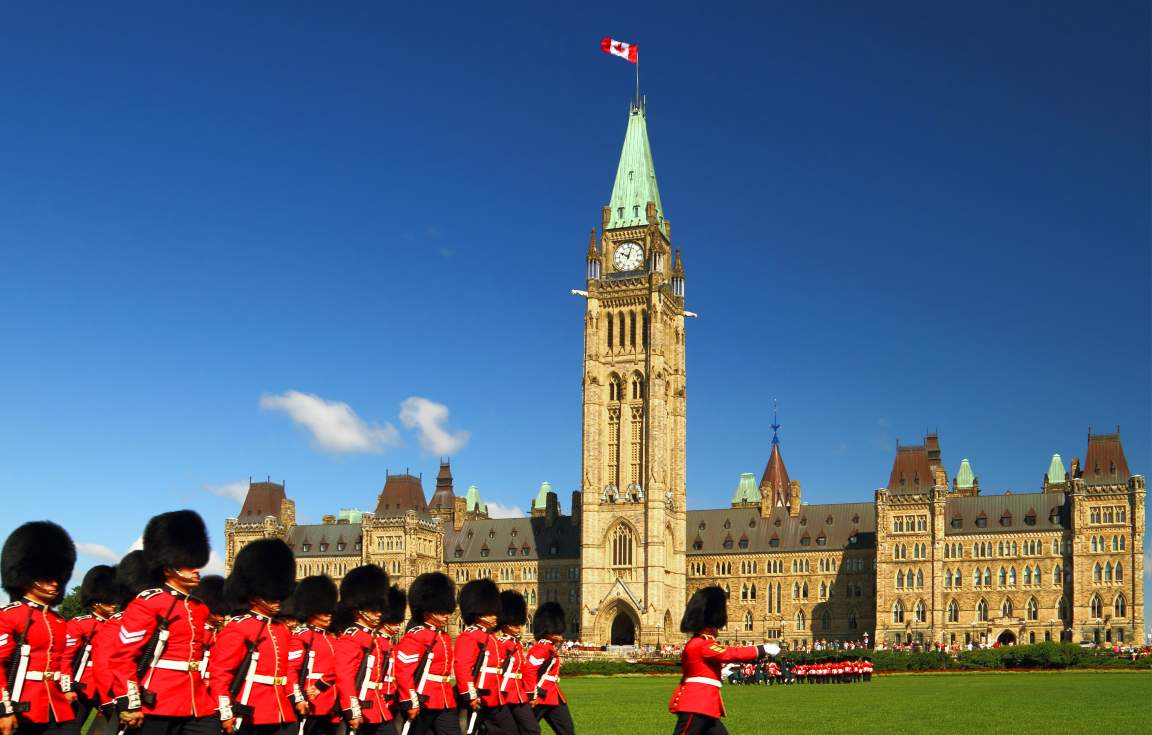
746 491
541 501
964 477
635 177
472 501
1056 473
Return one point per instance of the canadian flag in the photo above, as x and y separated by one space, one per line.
619 48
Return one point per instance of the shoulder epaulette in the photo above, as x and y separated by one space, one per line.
85 616
240 618
148 594
416 629
117 615
12 605
350 630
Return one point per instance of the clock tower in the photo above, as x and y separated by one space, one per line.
633 488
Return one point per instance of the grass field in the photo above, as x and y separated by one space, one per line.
1066 702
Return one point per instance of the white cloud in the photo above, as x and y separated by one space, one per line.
98 551
137 545
236 490
496 510
428 418
335 427
215 564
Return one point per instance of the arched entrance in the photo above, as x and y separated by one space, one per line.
623 630
1007 638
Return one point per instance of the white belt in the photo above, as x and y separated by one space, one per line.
174 665
549 677
276 681
373 685
436 678
315 676
703 680
389 679
517 675
490 670
42 676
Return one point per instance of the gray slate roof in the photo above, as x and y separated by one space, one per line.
530 538
331 535
841 525
1013 509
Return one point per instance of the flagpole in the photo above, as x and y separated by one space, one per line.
637 78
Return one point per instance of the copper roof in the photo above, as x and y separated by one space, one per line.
513 539
328 539
443 498
911 471
775 478
1105 463
263 500
1009 513
818 527
401 494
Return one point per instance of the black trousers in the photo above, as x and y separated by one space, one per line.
690 723
521 714
315 726
42 728
80 711
494 721
154 725
557 717
438 721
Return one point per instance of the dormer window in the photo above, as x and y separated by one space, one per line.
981 521
804 521
513 533
828 521
821 540
340 546
459 552
774 542
492 533
697 544
727 523
1006 519
777 523
957 522
743 542
484 551
1030 519
728 542
702 526
636 210
620 212
553 550
805 540
306 547
752 523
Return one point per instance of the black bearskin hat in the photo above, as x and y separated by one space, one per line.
365 588
99 585
133 577
177 540
708 608
548 620
210 591
513 608
264 568
38 550
397 602
478 598
431 592
314 596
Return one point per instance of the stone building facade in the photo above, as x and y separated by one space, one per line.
926 559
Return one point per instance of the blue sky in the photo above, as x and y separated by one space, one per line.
893 218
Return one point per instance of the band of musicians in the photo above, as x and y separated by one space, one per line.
162 650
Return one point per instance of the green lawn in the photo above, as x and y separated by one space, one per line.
1065 702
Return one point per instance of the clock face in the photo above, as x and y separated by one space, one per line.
629 256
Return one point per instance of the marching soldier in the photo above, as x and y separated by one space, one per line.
210 591
477 661
424 658
156 679
543 674
250 669
312 654
362 649
696 701
99 596
513 615
131 579
390 624
35 566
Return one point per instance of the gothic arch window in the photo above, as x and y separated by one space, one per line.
947 578
1057 575
622 542
611 322
1027 576
1097 572
752 592
632 329
800 620
1006 608
953 612
1062 609
920 612
1012 577
1119 607
898 612
804 590
795 590
975 577
919 579
853 621
958 579
982 610
900 579
1119 572
1108 572
1031 609
748 621
1095 608
1002 578
826 620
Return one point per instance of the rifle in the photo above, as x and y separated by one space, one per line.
426 662
17 671
364 677
80 664
305 675
477 686
248 665
152 653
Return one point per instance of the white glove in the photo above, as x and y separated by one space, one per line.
770 649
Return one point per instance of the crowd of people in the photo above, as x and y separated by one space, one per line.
771 673
161 650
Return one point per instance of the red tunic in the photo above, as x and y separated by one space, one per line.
82 630
106 640
352 647
512 664
312 656
47 636
415 642
272 685
176 681
542 677
699 689
478 676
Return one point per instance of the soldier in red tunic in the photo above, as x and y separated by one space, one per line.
156 679
390 624
132 578
99 595
513 615
424 658
362 649
543 674
477 664
696 701
35 565
312 654
210 591
251 676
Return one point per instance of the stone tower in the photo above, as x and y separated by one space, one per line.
633 487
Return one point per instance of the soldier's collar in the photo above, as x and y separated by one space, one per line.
175 592
708 636
316 629
258 616
546 640
33 604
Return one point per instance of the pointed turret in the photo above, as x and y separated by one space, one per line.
1105 463
593 257
775 485
965 482
473 504
747 495
443 497
678 275
1056 479
635 183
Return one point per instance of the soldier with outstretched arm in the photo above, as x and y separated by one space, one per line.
35 567
696 701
